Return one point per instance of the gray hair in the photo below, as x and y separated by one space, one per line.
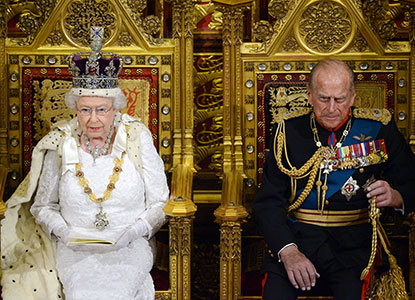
331 63
118 98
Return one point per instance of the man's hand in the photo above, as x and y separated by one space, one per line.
300 270
385 195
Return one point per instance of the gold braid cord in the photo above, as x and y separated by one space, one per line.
311 166
390 284
374 217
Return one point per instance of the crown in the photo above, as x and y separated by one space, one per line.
96 69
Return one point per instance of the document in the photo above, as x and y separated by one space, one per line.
93 238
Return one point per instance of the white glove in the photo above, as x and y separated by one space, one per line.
62 234
138 229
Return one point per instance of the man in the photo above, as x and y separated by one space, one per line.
322 170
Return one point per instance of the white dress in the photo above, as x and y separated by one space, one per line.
118 274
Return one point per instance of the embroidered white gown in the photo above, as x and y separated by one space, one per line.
118 274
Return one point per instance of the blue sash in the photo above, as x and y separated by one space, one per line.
336 179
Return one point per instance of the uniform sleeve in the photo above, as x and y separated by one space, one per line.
400 167
269 207
45 208
155 182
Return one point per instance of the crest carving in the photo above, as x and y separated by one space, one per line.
80 16
325 27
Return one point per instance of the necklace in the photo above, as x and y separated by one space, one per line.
317 139
101 220
97 151
329 153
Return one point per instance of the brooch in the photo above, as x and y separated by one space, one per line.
362 138
350 188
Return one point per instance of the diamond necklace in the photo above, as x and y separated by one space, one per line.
97 151
101 221
329 154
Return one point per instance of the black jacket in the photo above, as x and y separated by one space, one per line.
350 244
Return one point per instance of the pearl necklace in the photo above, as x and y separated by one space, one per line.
97 152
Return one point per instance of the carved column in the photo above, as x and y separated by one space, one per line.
411 219
3 206
231 214
3 84
232 97
180 210
3 110
411 9
183 81
412 96
230 260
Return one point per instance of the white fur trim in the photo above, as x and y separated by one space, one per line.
116 93
110 93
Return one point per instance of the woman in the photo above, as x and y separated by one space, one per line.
102 179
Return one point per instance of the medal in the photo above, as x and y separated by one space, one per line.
327 163
350 188
101 220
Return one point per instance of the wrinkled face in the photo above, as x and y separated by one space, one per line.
95 115
331 96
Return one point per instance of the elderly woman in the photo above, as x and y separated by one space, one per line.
100 194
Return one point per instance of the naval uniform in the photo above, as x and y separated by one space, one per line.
341 252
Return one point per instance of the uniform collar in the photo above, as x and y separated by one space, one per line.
338 126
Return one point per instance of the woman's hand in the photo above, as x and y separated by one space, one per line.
125 239
138 229
62 234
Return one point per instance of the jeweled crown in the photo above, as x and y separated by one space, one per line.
96 69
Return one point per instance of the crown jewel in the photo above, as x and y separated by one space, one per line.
95 70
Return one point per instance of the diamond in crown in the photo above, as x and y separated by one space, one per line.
95 70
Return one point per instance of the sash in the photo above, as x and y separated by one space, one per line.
337 178
331 218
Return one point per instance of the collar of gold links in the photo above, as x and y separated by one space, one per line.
342 138
318 163
111 185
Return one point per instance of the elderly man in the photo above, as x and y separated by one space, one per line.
324 166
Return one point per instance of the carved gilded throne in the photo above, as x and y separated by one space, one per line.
204 76
294 36
36 38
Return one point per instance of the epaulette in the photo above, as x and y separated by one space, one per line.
381 115
294 112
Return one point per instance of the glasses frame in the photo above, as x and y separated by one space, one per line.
87 111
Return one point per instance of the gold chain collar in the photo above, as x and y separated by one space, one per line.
111 185
315 131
